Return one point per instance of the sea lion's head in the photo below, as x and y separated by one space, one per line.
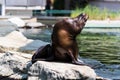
78 22
70 26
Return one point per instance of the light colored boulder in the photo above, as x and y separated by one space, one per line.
12 66
21 23
42 70
17 21
35 24
16 66
16 41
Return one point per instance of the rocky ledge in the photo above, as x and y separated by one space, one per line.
17 66
60 71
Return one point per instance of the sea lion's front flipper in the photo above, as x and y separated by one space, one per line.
44 53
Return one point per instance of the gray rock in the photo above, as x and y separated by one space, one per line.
18 66
42 70
21 23
35 24
13 66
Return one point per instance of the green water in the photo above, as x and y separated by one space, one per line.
102 46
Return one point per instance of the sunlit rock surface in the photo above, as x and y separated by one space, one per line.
16 41
13 66
52 70
18 66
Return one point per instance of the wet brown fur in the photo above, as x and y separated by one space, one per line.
64 45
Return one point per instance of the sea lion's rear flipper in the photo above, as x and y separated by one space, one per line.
43 53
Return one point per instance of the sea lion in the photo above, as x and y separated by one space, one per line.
64 46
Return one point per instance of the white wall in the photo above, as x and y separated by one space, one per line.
25 2
23 7
111 5
1 1
16 2
18 13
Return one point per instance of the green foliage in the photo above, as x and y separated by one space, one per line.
95 13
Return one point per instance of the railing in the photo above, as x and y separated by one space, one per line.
38 12
58 11
52 12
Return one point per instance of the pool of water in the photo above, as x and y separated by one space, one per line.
99 44
43 34
104 47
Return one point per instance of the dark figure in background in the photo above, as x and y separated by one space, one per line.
48 6
64 46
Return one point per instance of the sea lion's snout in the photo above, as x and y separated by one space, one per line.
79 22
83 17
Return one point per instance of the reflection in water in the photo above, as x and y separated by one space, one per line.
99 44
